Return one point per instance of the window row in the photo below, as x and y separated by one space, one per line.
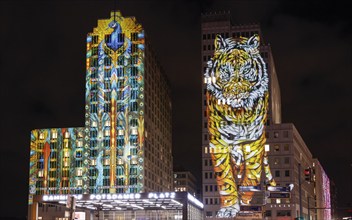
212 201
210 188
134 36
227 35
107 61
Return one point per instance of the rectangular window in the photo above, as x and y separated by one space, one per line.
106 142
286 160
40 173
120 72
79 172
54 135
53 164
287 173
134 48
79 154
134 94
95 39
276 148
93 96
107 96
107 107
133 171
133 83
120 83
107 85
93 153
134 71
134 36
78 163
134 60
120 60
107 73
94 86
108 38
283 213
94 51
93 108
92 172
121 37
93 133
107 61
133 106
277 173
94 62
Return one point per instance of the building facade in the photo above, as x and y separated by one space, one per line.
220 24
125 144
289 157
287 153
185 181
322 196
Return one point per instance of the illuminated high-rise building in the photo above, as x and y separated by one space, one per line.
234 58
219 24
124 146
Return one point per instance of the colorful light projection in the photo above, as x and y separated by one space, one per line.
115 105
326 196
106 156
56 161
237 105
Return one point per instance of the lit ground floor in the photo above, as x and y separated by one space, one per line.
132 206
267 212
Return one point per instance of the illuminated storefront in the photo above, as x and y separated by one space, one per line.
171 205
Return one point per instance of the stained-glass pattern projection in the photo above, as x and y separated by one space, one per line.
114 116
237 103
56 161
106 155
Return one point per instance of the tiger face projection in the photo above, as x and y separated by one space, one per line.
237 97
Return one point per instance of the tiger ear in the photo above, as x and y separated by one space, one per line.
254 41
220 42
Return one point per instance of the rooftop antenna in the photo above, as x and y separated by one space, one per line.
115 10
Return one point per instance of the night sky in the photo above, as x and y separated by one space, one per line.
42 69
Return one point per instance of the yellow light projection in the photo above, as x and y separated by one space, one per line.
237 103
